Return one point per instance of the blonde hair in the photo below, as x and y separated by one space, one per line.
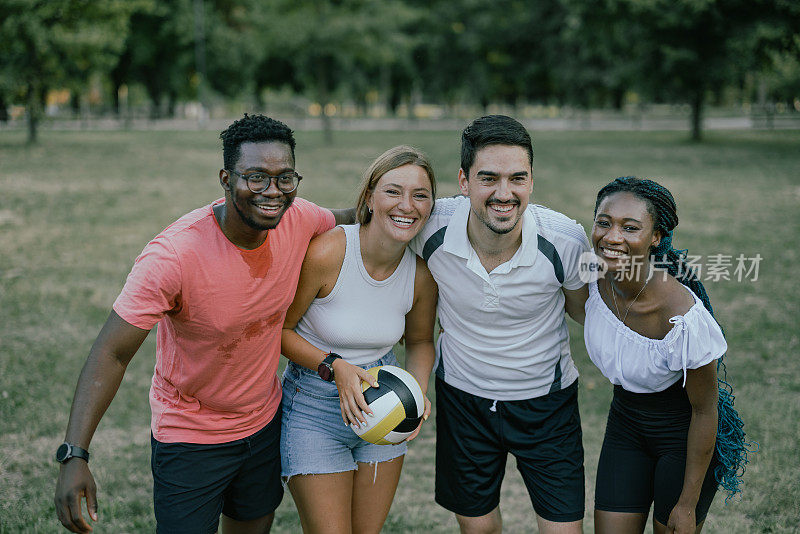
391 159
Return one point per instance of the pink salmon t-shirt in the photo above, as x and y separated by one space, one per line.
219 310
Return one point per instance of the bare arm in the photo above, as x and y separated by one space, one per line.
318 276
420 352
574 302
702 389
99 380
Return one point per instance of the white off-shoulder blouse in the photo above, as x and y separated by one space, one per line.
644 365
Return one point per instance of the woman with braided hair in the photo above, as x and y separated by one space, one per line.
672 435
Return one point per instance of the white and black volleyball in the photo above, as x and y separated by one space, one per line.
397 404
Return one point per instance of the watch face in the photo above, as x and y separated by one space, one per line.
62 452
325 372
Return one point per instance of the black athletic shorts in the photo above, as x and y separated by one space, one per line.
474 436
643 458
193 483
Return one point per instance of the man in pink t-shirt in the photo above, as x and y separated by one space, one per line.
217 282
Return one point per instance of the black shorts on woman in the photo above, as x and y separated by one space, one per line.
643 459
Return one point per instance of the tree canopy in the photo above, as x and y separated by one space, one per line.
585 54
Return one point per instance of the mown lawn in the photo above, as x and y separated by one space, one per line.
77 209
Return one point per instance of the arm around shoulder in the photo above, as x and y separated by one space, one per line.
575 302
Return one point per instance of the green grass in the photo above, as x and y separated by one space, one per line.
77 209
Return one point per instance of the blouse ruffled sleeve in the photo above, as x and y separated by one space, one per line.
698 340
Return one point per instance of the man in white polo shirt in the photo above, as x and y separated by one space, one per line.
505 380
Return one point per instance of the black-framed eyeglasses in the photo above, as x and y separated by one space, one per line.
258 182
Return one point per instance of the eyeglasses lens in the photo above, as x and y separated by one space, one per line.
286 182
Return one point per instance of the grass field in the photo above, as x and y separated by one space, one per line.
77 209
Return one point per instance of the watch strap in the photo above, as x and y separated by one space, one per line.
72 451
330 358
325 368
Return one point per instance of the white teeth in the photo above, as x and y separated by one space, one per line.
402 220
610 252
502 207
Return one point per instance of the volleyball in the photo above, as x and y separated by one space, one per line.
397 404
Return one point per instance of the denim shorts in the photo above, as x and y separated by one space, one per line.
314 438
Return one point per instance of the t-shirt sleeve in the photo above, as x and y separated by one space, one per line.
575 245
699 341
153 287
323 217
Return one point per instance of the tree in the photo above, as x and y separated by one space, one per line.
330 42
58 43
682 50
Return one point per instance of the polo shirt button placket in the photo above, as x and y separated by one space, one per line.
491 299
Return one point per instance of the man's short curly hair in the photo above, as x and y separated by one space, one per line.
252 129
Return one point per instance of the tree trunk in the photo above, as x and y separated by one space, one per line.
3 108
697 115
34 113
323 96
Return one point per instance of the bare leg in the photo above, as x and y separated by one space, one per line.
554 527
373 492
323 502
254 526
618 522
491 523
658 528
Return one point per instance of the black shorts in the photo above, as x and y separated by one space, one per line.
643 458
193 483
474 436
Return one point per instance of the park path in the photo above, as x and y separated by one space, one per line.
577 123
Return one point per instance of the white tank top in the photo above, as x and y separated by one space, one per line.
362 318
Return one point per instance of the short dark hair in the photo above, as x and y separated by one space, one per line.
493 130
252 129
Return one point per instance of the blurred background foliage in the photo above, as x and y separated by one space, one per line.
390 58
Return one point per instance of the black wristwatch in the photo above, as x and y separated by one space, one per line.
325 369
67 451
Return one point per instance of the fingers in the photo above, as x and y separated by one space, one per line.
74 484
351 412
91 502
77 523
427 412
415 433
367 377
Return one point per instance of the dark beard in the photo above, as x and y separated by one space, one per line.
249 221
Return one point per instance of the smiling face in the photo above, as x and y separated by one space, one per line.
401 202
499 185
259 211
623 232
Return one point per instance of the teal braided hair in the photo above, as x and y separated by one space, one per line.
731 448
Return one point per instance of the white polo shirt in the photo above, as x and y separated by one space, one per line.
505 333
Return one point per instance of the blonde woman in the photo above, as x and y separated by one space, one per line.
361 289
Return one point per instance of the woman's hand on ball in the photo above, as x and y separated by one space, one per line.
351 398
425 415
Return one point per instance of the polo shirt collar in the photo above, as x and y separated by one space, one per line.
456 241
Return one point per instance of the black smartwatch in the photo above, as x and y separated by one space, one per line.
325 369
68 451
